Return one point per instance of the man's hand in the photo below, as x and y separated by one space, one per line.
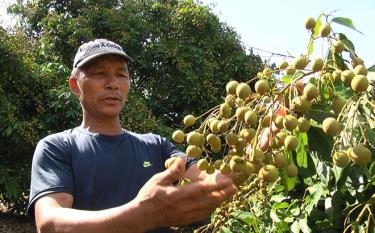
172 205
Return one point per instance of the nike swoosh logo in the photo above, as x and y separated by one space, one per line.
147 164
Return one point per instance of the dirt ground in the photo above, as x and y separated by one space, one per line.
21 224
16 224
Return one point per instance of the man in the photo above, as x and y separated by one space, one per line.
99 177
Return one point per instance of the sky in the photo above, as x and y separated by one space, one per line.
277 25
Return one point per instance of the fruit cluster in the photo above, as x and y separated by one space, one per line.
253 131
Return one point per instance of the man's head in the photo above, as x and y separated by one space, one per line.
96 48
100 78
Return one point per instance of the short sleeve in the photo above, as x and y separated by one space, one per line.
51 169
170 150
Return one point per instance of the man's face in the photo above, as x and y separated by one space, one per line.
103 86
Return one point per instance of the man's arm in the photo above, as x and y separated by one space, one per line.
159 203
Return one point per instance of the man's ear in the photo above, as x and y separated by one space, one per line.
74 86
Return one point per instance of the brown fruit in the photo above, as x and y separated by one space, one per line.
218 163
243 90
300 104
168 163
310 23
214 126
360 83
210 169
247 134
279 121
267 72
240 113
189 120
360 70
360 155
283 65
280 138
325 30
215 149
262 86
237 164
336 75
290 122
331 126
357 61
338 46
337 105
292 170
195 138
193 151
231 87
231 139
266 121
223 125
202 164
310 91
178 136
291 142
341 159
225 169
303 124
225 110
241 144
301 62
251 117
317 64
257 155
213 140
230 100
346 77
280 160
268 173
290 70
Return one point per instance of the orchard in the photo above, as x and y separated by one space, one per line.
301 141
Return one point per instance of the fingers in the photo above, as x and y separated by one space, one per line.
223 189
173 173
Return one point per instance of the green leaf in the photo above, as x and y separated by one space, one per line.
288 219
345 22
246 217
290 183
225 230
317 25
301 150
316 192
278 198
310 46
370 136
372 68
280 205
295 227
274 216
286 79
303 225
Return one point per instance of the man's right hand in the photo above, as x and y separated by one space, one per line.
173 205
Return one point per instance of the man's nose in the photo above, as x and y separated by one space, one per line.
112 81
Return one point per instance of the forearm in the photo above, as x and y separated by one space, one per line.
130 217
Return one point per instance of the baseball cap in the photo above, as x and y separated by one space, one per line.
96 48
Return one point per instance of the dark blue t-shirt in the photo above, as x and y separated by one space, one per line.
100 171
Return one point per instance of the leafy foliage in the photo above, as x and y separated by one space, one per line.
180 49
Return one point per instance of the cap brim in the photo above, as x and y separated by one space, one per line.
93 56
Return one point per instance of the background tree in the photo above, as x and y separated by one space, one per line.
180 49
